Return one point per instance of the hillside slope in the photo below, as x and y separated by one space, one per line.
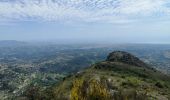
121 77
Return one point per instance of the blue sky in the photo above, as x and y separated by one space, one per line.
116 21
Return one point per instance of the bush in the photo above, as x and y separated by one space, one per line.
159 84
92 90
131 81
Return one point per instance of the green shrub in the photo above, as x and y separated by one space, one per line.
131 81
159 84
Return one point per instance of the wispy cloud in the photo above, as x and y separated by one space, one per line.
113 11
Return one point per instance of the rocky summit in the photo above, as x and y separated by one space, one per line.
124 57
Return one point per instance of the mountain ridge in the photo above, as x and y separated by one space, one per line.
112 79
125 57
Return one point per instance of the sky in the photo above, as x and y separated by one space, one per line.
111 21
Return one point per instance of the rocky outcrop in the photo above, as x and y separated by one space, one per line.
124 57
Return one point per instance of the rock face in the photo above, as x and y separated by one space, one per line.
124 57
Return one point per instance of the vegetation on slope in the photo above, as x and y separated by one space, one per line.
110 80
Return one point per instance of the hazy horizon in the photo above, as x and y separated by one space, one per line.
89 21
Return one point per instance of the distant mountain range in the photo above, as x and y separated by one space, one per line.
7 43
